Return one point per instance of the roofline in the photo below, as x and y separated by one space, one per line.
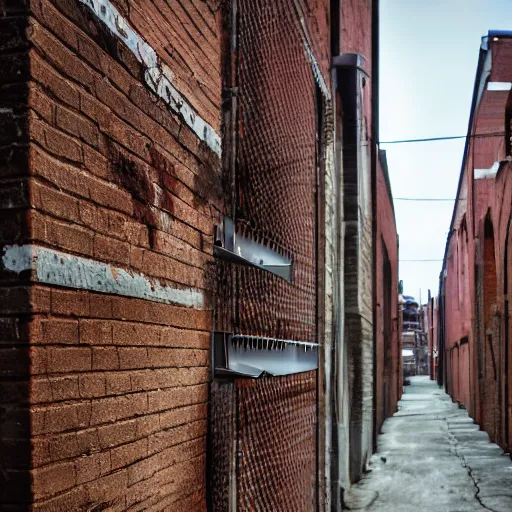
500 33
385 171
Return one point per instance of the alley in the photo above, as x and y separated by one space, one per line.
431 456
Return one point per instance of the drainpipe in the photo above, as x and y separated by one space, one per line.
349 74
374 147
334 497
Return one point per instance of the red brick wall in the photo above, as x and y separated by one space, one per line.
479 312
387 364
118 385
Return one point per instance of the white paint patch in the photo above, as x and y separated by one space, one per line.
18 258
309 52
61 269
499 86
481 174
316 70
157 75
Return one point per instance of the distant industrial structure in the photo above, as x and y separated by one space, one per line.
414 338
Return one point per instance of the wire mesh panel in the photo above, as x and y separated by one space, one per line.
276 439
222 446
271 194
276 169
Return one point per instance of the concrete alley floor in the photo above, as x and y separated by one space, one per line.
432 457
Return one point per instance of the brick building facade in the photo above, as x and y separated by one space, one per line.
474 312
188 256
110 189
388 367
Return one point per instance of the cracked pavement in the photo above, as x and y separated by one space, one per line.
433 457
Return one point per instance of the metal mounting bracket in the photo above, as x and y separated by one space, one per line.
242 250
237 355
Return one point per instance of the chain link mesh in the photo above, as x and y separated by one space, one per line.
276 169
276 444
274 200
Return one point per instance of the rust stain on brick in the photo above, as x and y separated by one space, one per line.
208 185
130 176
135 180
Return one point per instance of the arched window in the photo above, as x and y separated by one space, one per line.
490 287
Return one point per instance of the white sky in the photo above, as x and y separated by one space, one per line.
428 58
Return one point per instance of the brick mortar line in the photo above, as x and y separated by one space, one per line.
72 316
115 447
90 402
29 316
47 377
49 497
205 21
49 406
199 490
49 315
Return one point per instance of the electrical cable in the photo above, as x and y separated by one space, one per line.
419 260
427 199
434 139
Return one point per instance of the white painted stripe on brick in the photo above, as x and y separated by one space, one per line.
482 174
316 70
61 269
499 86
309 51
158 76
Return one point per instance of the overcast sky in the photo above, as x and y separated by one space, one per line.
428 58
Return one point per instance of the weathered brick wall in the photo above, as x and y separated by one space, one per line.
481 380
387 363
123 196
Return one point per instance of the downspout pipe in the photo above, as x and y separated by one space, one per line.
334 499
374 155
337 346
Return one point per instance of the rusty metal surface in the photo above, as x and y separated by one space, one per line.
222 445
275 193
270 166
276 438
263 444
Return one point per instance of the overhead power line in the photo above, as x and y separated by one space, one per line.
427 199
420 260
453 137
